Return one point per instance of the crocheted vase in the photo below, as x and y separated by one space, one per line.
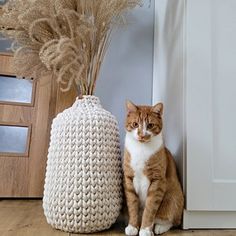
83 185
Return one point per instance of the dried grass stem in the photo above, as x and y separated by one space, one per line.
67 38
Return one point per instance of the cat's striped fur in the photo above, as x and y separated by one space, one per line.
151 184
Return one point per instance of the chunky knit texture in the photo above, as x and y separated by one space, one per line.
83 185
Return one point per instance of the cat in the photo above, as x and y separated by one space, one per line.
151 184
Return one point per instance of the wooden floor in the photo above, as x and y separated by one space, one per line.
25 218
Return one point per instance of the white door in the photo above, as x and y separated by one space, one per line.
211 110
205 43
211 105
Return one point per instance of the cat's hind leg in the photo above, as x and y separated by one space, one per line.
169 214
162 226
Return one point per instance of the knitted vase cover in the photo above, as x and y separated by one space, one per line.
83 185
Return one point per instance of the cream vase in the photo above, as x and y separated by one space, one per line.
83 185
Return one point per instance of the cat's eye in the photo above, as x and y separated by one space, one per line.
150 125
135 124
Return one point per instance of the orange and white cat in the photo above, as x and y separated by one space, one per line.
151 184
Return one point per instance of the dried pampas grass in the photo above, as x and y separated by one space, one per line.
68 38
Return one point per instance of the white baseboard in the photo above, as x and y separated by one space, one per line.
209 220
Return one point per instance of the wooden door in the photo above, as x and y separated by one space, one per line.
27 108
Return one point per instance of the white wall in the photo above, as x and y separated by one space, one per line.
169 73
128 67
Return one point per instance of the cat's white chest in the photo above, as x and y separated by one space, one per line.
140 154
141 182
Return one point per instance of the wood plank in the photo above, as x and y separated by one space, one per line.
24 218
201 233
39 137
10 177
6 65
15 114
64 99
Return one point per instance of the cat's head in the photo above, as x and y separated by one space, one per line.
144 122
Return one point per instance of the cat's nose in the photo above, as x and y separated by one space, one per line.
142 136
141 133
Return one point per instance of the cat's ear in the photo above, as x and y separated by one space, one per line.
130 106
158 108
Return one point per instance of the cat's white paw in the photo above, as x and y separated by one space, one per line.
161 229
146 232
131 230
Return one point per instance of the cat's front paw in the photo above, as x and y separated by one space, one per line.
130 230
146 232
